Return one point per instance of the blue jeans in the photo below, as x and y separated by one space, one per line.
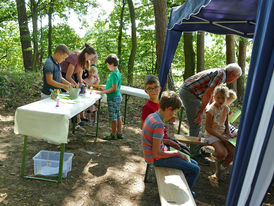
191 169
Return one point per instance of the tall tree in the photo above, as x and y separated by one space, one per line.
121 22
50 12
160 9
24 34
241 61
230 56
200 51
34 12
189 55
133 42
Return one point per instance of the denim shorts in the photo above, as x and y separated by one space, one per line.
114 107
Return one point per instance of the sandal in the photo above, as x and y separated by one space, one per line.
110 137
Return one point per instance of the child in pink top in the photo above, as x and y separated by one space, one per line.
92 79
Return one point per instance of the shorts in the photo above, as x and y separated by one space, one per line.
114 107
211 139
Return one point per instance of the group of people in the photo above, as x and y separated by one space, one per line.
204 91
64 69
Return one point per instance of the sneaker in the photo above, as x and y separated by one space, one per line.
84 119
81 124
110 137
94 122
120 136
202 160
89 123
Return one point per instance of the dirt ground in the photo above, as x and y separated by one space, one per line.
112 174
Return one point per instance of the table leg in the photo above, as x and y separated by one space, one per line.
24 156
97 125
180 119
125 110
74 121
62 151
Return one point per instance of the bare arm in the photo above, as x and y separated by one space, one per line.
54 83
210 130
142 123
205 99
157 153
110 90
70 73
172 144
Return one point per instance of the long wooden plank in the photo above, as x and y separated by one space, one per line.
189 139
173 187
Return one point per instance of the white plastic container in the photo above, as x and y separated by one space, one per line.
46 163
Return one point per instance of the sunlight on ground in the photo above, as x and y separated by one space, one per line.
125 149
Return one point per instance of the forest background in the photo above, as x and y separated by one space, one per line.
134 30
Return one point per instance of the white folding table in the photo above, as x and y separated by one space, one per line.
43 120
127 90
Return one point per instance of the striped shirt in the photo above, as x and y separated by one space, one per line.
153 128
199 82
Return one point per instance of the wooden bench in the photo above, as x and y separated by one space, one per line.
189 139
173 187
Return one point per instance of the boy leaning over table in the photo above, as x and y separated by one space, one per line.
155 152
52 78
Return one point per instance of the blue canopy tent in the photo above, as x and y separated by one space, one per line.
253 166
215 16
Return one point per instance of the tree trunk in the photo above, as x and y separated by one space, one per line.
230 56
189 55
34 12
41 43
160 8
50 27
24 34
120 34
241 61
200 51
133 42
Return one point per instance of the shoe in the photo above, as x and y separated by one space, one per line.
201 160
205 153
81 124
90 123
120 136
110 137
84 119
94 122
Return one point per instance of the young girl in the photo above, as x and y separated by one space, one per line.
217 130
92 79
232 96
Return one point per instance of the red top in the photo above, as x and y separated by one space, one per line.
71 59
149 108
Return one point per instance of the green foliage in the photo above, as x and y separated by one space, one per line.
10 48
17 87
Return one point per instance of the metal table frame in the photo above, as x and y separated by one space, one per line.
62 152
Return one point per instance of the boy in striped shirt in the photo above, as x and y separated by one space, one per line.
155 152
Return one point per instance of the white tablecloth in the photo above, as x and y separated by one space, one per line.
134 92
43 120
